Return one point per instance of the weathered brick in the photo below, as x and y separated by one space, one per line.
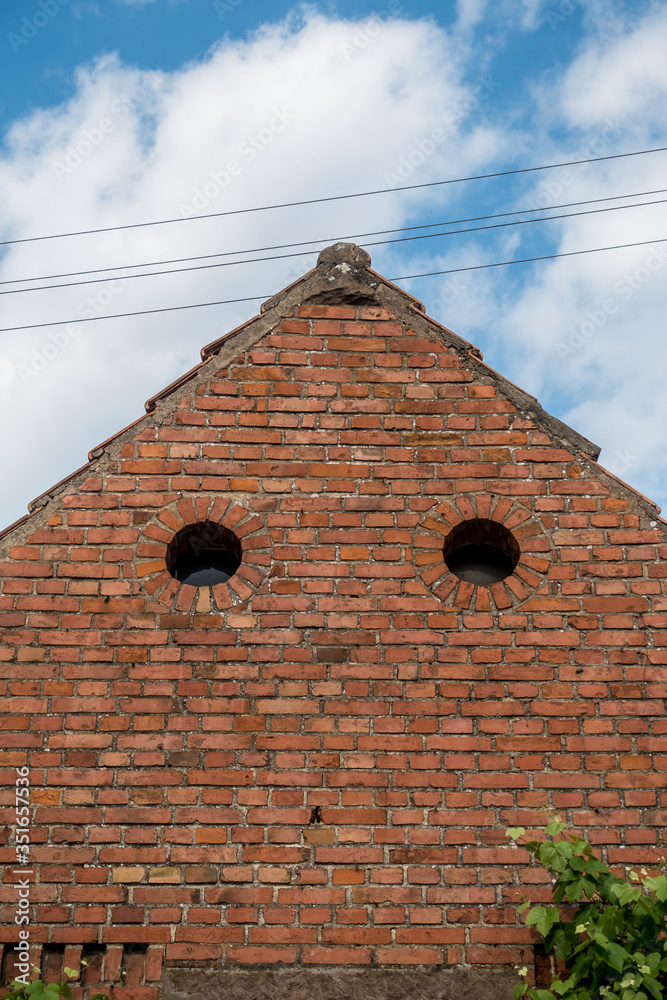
312 762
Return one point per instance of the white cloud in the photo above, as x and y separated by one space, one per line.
301 109
624 73
588 334
470 12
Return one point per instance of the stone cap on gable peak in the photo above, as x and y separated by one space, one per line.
344 256
347 259
342 276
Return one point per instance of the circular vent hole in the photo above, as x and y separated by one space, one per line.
204 554
481 551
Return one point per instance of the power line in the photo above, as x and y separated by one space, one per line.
284 256
337 197
254 298
317 243
139 312
526 260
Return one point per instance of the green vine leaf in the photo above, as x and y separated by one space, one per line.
37 989
554 826
612 939
658 886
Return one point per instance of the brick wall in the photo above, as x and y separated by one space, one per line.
312 763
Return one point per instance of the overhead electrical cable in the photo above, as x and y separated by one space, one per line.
337 197
317 243
254 298
527 260
284 256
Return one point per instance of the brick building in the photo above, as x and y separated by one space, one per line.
290 651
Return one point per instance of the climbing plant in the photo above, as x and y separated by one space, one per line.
614 947
37 989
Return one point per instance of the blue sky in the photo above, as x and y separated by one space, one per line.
167 34
116 112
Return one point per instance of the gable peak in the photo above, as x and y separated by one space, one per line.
344 256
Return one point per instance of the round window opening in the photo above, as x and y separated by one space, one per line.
204 554
481 551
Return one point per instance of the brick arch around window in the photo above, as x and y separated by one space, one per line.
529 576
247 525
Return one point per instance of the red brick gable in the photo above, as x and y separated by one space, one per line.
312 763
